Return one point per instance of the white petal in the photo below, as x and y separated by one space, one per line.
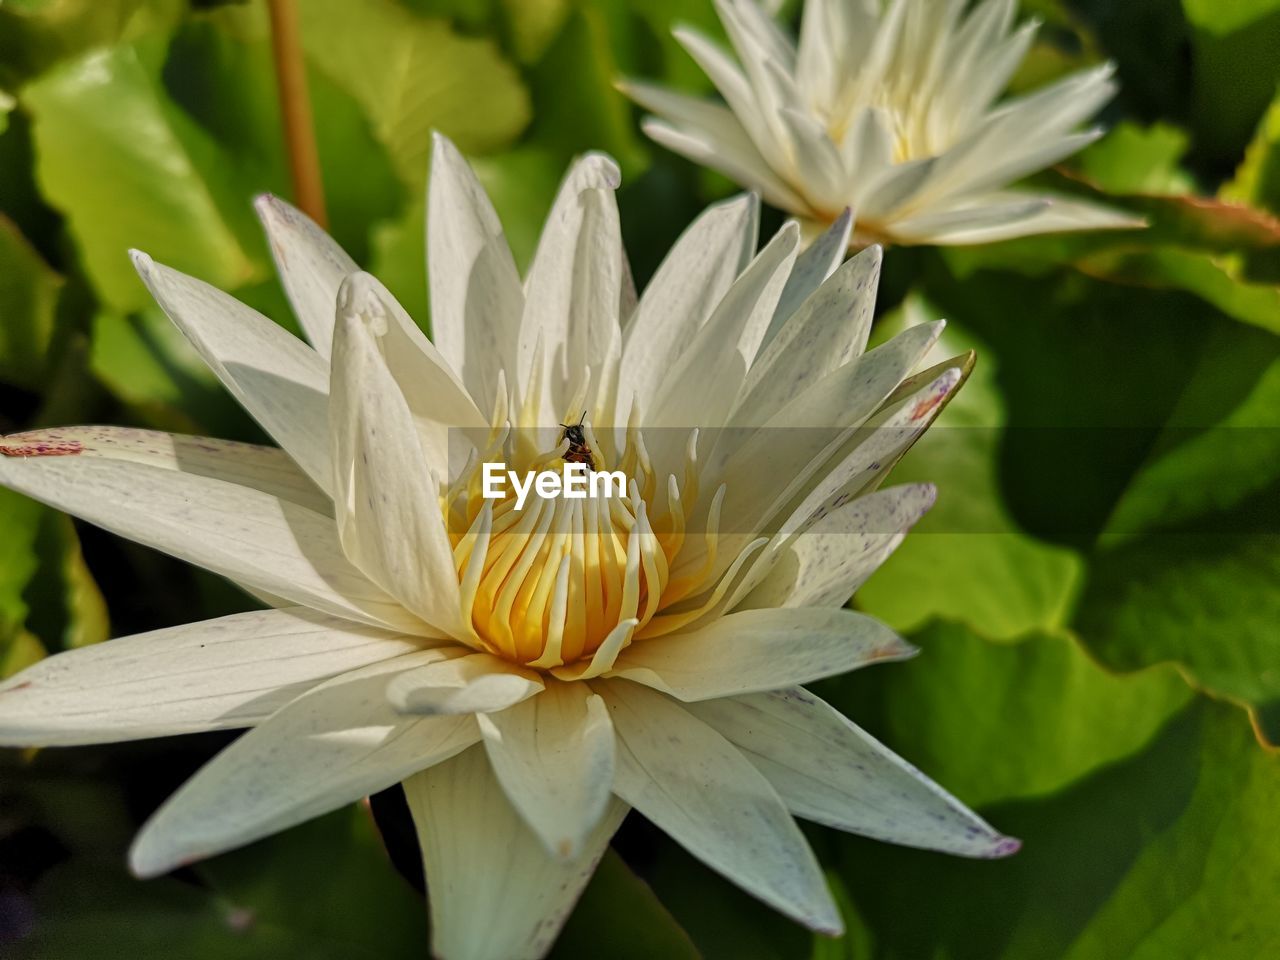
828 770
894 188
1059 214
970 217
865 459
702 383
793 451
686 288
739 93
828 330
334 744
479 683
825 565
282 382
495 892
387 498
699 789
728 150
817 161
553 755
812 268
266 543
757 650
476 298
231 672
311 267
868 150
263 468
576 271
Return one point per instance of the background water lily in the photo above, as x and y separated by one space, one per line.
892 109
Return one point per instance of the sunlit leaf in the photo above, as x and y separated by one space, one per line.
413 75
129 170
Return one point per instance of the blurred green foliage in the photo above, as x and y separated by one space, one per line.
1097 591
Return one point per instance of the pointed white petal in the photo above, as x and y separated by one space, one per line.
868 151
702 383
812 268
386 491
476 298
825 565
828 770
311 267
971 217
266 543
231 672
337 743
553 755
282 382
827 331
755 650
698 788
688 285
576 270
861 464
1059 214
739 94
792 452
478 683
263 468
894 188
495 892
728 150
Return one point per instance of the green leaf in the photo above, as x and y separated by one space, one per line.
578 108
413 75
994 722
220 71
723 922
36 34
146 362
967 559
1164 856
322 890
48 598
1136 159
1222 17
1257 180
619 917
129 170
1216 279
1257 183
18 561
1187 570
328 886
29 291
1206 599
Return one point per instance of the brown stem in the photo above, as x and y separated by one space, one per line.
295 110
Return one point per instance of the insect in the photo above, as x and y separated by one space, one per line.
578 451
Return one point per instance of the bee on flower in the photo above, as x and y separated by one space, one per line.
529 675
892 109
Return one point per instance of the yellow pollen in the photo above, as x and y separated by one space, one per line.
549 584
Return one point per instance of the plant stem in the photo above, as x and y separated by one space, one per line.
295 110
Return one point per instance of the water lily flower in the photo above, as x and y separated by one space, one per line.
890 109
528 675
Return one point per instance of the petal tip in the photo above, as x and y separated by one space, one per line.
1005 847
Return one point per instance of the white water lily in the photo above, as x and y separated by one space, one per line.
528 676
891 110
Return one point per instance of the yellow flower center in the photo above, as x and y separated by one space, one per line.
552 580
